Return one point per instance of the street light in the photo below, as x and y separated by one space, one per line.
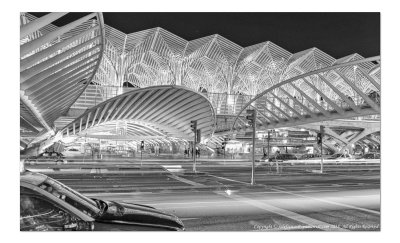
193 127
320 141
141 152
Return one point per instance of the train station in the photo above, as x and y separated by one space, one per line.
149 130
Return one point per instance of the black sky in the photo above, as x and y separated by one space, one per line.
338 34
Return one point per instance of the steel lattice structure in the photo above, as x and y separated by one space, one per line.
58 63
212 63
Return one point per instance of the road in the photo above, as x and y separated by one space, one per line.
219 197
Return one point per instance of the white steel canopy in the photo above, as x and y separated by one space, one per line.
340 91
157 111
56 64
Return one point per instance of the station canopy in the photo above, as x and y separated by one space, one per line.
89 52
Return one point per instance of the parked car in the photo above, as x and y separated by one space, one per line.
282 157
275 158
48 205
372 156
309 156
340 157
72 152
47 157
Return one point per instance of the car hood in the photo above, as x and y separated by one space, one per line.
136 214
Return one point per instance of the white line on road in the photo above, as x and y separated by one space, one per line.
174 208
276 192
124 194
185 180
326 201
357 177
183 203
227 179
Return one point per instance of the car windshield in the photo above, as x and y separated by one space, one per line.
70 196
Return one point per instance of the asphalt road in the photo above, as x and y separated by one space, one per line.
219 197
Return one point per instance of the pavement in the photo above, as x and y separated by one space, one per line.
219 196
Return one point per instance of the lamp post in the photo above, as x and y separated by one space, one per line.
251 117
193 126
268 138
322 132
141 152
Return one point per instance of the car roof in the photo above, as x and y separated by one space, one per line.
32 178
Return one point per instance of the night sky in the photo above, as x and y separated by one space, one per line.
338 34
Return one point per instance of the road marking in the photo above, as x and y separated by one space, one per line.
276 192
185 180
95 171
174 208
122 194
359 196
227 179
286 213
327 201
357 177
224 203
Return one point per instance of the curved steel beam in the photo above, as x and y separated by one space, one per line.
57 63
367 107
165 119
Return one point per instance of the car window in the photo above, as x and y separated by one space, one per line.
38 214
74 198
